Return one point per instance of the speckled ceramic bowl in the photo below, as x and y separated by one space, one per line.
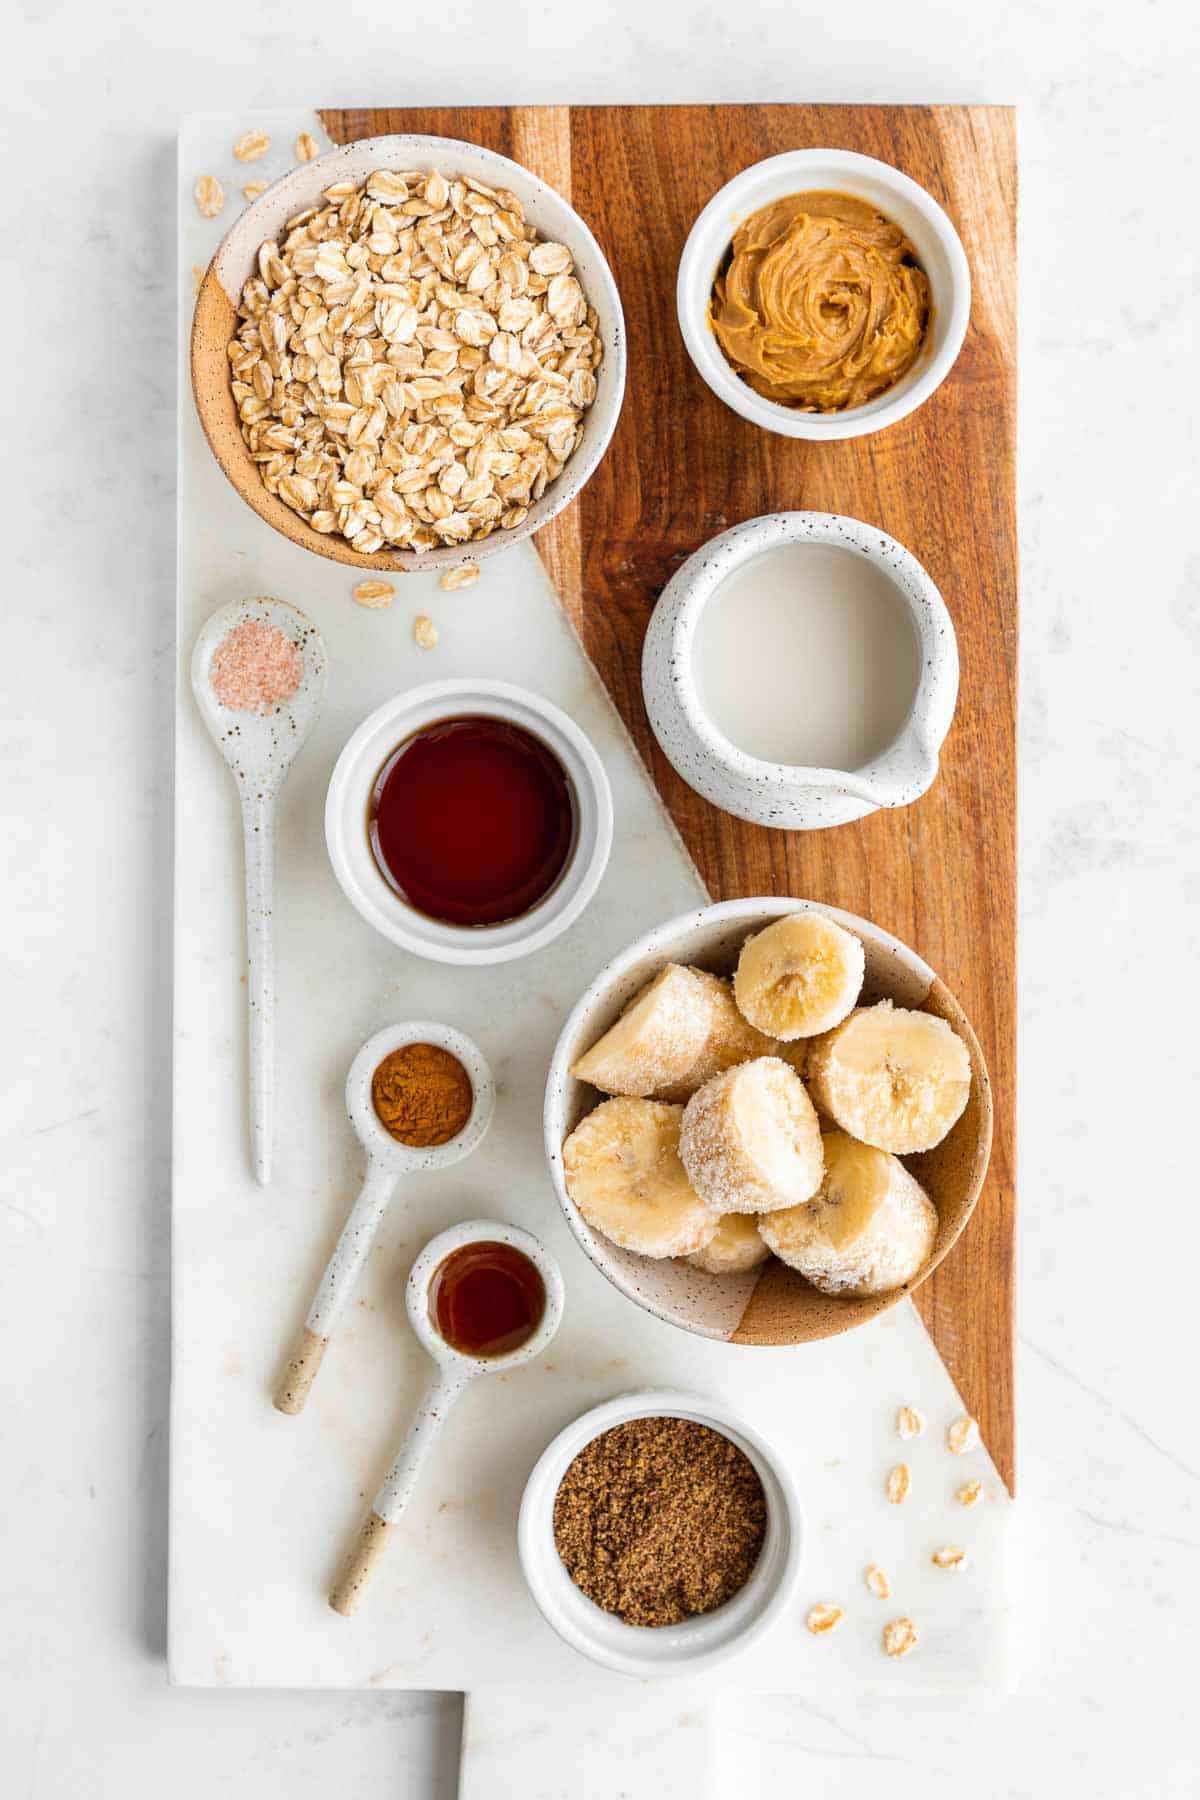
785 794
237 257
773 1304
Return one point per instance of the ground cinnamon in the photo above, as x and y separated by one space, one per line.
422 1095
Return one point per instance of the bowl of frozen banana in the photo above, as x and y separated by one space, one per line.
767 1121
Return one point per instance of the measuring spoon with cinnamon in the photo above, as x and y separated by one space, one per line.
381 1104
483 1298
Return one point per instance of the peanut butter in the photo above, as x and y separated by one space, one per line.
822 304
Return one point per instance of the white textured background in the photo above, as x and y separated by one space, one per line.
1108 1550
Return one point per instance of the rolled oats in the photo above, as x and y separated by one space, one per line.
251 145
209 196
909 1422
253 189
464 576
411 364
962 1436
950 1556
824 1617
899 1637
877 1581
425 632
970 1494
375 594
306 147
898 1483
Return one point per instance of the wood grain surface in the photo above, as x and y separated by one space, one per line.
940 874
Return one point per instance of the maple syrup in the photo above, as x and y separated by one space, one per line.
472 820
487 1299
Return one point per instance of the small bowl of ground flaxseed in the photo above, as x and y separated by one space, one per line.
660 1534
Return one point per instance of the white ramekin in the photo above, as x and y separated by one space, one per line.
787 795
934 238
358 874
646 1651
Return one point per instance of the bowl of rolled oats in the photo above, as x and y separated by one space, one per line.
408 352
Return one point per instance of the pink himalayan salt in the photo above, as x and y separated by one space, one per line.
256 668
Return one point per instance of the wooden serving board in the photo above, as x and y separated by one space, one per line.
682 467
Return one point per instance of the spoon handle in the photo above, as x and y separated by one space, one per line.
258 828
368 1549
336 1285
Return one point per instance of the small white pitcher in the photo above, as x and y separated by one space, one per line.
786 795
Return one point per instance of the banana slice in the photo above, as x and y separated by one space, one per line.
731 1040
736 1247
892 1078
869 1230
624 1174
750 1140
657 1040
799 976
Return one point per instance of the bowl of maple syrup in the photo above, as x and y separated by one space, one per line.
469 821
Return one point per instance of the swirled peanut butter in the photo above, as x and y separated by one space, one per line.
822 304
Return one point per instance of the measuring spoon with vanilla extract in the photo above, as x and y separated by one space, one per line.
373 1087
482 1298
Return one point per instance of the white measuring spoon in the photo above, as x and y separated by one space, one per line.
455 1371
260 749
387 1161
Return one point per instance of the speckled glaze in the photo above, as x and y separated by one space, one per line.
260 749
698 1643
939 251
771 1304
388 1160
236 260
783 794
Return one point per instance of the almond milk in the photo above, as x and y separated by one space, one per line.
806 655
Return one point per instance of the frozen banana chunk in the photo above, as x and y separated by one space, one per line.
799 976
871 1228
623 1172
731 1040
892 1078
750 1141
657 1040
735 1248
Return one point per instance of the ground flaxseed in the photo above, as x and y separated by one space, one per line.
660 1519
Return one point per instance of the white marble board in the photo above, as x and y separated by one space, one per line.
261 1505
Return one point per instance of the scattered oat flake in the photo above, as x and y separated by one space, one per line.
877 1581
824 1617
253 189
899 1637
251 145
898 1483
306 147
375 594
256 667
909 1422
962 1436
464 576
950 1556
425 632
970 1494
209 196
